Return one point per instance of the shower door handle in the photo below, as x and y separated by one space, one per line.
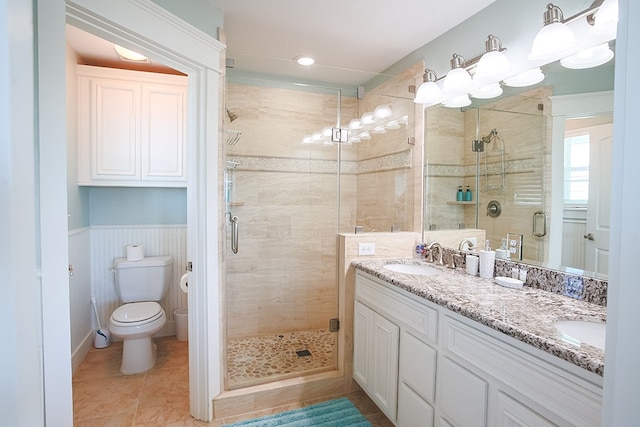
537 233
234 234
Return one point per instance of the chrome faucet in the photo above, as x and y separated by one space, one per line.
430 248
469 243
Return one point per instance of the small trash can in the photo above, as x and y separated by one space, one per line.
182 324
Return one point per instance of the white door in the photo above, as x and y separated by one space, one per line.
599 205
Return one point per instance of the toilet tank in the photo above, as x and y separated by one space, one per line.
144 280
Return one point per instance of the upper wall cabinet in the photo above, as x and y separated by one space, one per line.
131 128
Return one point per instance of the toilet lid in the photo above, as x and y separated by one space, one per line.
137 312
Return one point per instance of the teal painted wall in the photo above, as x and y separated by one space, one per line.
202 14
137 206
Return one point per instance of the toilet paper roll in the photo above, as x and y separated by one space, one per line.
471 263
135 252
184 283
487 262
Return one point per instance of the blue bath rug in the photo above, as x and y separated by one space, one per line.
333 413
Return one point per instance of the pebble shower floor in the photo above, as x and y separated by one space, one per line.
256 360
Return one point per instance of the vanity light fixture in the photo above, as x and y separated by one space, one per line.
429 93
526 78
555 39
489 91
457 101
129 55
588 58
355 124
493 65
605 20
382 111
458 80
367 118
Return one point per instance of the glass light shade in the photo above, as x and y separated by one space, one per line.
355 124
367 118
493 66
129 55
458 80
428 93
553 41
488 91
588 58
526 78
606 19
457 102
382 111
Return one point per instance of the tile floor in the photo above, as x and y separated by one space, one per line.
102 396
257 360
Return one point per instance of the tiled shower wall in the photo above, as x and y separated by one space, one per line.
285 195
109 242
451 163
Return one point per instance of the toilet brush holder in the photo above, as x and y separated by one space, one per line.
103 335
103 338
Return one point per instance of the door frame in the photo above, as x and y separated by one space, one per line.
564 107
150 29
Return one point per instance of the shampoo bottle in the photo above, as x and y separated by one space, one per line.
460 194
467 195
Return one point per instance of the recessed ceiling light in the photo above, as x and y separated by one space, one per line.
129 55
305 60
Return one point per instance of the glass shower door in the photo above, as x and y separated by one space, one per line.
281 289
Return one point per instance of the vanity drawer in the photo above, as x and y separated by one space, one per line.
421 319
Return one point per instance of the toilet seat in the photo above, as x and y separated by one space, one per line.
137 313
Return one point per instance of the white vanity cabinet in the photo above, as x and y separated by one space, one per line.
393 361
131 128
454 371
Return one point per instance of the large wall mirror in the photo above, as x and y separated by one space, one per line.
537 165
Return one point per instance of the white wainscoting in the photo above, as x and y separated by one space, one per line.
109 242
574 227
81 317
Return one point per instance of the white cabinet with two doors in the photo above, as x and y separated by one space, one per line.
131 128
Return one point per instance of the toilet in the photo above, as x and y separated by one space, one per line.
140 285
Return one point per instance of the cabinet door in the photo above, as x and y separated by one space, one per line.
416 382
163 132
462 395
413 411
511 413
384 365
362 323
114 130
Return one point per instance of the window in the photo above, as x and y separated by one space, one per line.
576 169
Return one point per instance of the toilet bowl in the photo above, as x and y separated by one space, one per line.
135 323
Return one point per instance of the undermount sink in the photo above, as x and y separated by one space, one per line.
417 269
582 331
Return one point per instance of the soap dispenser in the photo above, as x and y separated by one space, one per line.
459 194
467 195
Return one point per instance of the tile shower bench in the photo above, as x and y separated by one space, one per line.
456 350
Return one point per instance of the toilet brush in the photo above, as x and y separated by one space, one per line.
103 335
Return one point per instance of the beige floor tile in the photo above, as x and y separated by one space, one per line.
107 396
159 397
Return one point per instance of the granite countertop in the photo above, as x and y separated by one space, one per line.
526 314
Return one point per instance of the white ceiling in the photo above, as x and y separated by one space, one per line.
351 40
